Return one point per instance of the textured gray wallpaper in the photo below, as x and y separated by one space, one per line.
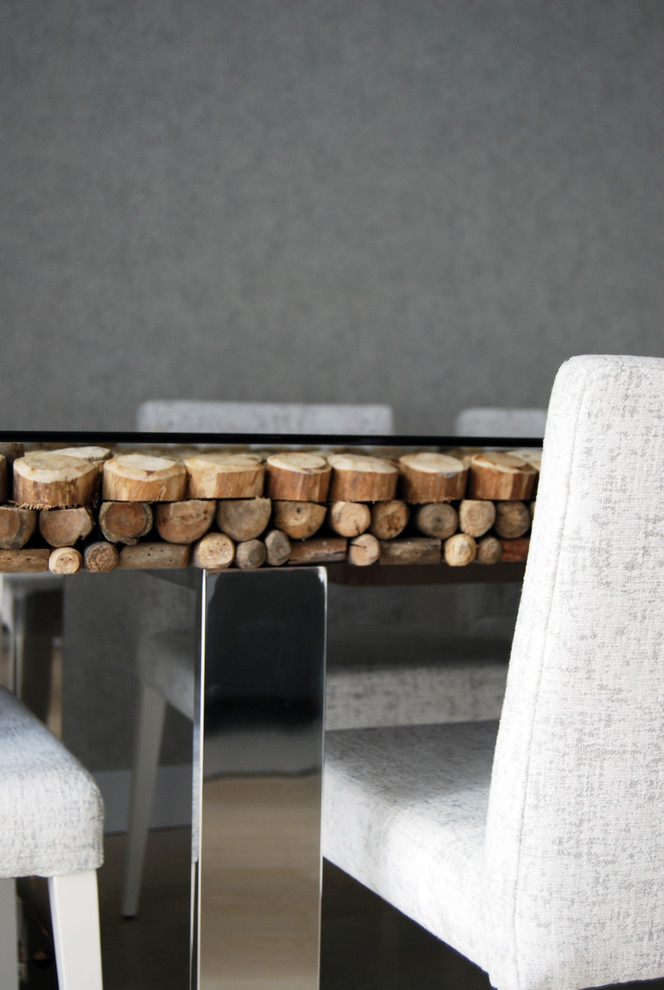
426 203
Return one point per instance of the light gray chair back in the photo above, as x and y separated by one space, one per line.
575 835
485 421
171 416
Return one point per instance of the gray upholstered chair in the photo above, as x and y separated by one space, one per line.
166 643
16 590
384 673
51 825
494 421
182 415
540 856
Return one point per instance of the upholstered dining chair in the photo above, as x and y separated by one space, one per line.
497 421
535 846
51 825
166 646
382 673
193 416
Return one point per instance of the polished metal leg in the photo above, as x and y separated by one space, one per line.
257 780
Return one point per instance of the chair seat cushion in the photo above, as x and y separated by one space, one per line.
404 812
390 677
51 811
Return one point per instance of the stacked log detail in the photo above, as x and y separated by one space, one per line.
214 509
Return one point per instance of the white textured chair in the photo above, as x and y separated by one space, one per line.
494 421
386 675
15 591
182 415
166 651
51 825
541 856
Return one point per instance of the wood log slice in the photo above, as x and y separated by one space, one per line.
495 475
463 454
515 551
250 554
222 474
154 556
64 527
459 550
414 550
362 478
4 479
93 454
213 552
431 477
320 550
100 557
531 455
125 522
363 550
184 522
24 561
278 547
476 516
143 478
244 518
50 480
512 519
298 520
298 476
439 519
16 526
489 550
389 519
65 560
348 518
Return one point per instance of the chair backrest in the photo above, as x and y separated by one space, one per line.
173 415
575 832
484 421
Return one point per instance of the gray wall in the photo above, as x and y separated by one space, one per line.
427 203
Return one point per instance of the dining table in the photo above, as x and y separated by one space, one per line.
259 689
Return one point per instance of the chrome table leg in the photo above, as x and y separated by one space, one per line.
258 751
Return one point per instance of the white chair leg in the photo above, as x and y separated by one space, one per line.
8 935
149 731
75 916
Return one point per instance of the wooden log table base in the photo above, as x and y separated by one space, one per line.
94 509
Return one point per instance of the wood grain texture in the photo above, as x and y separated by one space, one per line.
431 477
143 478
298 476
49 480
362 478
221 474
16 526
495 475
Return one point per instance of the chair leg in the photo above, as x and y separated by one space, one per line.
75 916
8 935
149 731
